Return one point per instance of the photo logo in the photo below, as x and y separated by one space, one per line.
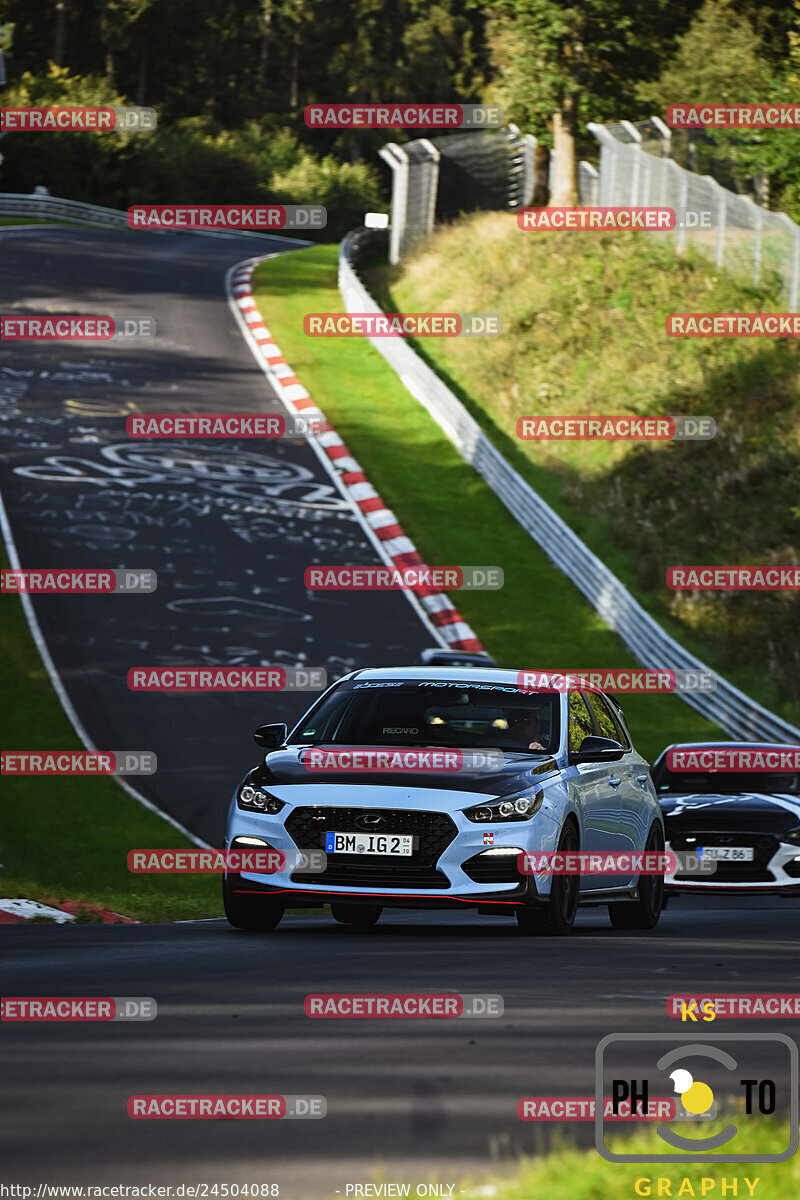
395 758
756 1071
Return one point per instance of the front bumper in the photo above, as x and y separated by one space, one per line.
775 866
452 865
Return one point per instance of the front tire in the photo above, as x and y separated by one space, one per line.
644 912
251 912
558 917
356 914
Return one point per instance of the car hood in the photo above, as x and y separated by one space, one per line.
517 771
760 812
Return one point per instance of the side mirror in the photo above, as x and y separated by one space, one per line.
270 736
598 749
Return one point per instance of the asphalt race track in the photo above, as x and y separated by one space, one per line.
229 526
416 1099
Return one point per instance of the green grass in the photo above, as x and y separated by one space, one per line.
567 1173
538 619
67 837
584 333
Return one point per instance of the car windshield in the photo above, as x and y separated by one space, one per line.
428 713
728 783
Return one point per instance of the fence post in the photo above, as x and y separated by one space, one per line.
636 139
594 181
397 159
666 136
608 162
758 220
794 260
722 210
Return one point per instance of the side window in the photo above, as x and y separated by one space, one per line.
580 723
607 723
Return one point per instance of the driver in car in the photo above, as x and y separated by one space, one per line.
525 726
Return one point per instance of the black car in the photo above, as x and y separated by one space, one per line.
747 821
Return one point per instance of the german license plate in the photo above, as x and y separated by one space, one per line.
391 844
727 853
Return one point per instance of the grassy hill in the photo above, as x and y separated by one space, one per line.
583 318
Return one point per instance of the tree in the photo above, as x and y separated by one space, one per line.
560 65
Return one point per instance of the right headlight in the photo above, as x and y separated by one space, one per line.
255 799
520 806
791 835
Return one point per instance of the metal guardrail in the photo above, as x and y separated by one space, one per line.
17 204
735 712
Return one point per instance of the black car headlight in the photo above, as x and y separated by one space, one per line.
791 835
521 806
255 799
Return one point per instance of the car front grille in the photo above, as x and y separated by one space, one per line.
434 833
763 844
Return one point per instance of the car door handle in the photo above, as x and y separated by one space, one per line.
642 779
613 781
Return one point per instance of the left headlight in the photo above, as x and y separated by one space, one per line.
521 806
255 799
791 835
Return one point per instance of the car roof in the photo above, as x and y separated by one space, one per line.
721 744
